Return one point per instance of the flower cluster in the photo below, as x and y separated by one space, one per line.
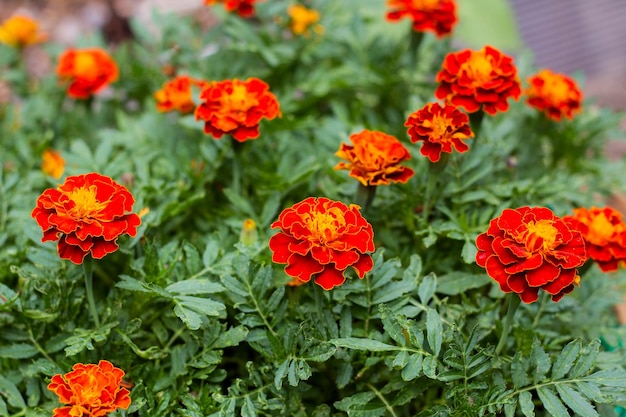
20 31
302 20
90 390
557 95
320 238
440 128
604 233
477 80
438 16
87 70
528 249
86 214
176 94
235 108
244 8
374 158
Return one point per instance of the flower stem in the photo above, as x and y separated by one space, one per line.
365 195
88 272
476 122
434 171
513 302
237 150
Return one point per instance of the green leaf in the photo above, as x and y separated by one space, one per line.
12 394
248 409
129 283
575 401
194 287
566 359
391 325
610 378
427 288
586 360
551 402
434 331
191 319
201 305
18 351
526 404
469 251
459 282
231 337
429 366
413 367
281 373
541 360
239 202
363 344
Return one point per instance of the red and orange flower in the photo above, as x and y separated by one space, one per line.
244 8
440 129
86 214
557 95
438 16
374 158
176 94
20 31
604 233
320 238
90 390
234 107
477 80
52 163
303 20
528 249
87 70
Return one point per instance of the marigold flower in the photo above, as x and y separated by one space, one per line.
244 8
604 233
90 390
303 19
321 238
478 79
176 94
86 214
440 129
20 31
236 107
557 95
248 235
52 163
87 70
374 158
438 16
528 249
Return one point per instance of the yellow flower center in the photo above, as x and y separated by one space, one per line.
239 100
601 230
86 203
478 67
84 65
425 4
324 226
542 229
555 88
440 126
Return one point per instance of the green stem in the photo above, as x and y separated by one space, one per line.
88 272
236 184
383 399
365 195
434 171
414 46
513 302
476 122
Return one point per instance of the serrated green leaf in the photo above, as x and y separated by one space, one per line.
458 282
3 407
434 331
231 337
281 373
413 367
248 409
586 360
509 408
201 305
211 251
575 401
18 351
566 359
363 344
551 402
427 288
191 319
519 370
429 366
239 202
540 360
526 404
609 378
391 325
469 251
400 360
12 394
194 287
320 352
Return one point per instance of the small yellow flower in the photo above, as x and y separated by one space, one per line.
52 163
248 235
20 31
303 19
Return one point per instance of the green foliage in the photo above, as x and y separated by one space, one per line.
200 318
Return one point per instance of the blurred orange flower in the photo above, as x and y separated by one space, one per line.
52 163
87 71
320 238
303 19
528 249
176 94
440 129
20 31
244 8
90 390
478 79
374 158
557 95
438 16
86 214
236 108
604 233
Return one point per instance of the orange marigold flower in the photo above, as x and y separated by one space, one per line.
604 233
303 19
440 129
244 8
478 79
87 70
176 94
528 249
438 16
52 163
86 214
236 107
20 31
375 158
321 238
557 95
90 390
